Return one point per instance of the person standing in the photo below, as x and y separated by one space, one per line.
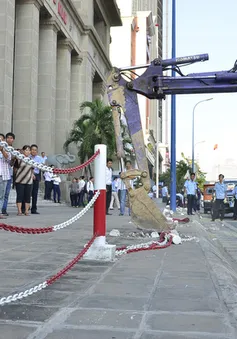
109 175
114 195
190 189
43 157
5 159
24 181
234 192
81 194
36 178
165 194
56 189
48 182
10 137
198 199
90 188
124 192
220 195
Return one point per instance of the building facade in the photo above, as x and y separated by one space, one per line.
140 47
54 54
156 7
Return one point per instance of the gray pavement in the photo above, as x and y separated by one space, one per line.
184 291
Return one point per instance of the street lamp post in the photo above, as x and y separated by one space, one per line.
193 146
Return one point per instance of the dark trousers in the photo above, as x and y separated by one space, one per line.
90 195
81 199
23 193
7 192
56 193
191 203
73 198
108 196
34 195
218 209
164 199
48 190
235 209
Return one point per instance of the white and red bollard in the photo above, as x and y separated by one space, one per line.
100 250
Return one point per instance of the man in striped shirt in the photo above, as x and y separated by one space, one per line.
5 158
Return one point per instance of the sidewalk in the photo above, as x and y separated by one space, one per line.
170 294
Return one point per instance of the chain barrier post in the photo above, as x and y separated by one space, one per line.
100 204
100 250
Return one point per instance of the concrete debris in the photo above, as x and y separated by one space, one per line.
155 235
114 233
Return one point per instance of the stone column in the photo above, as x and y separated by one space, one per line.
75 89
62 119
86 78
26 71
99 90
47 86
7 19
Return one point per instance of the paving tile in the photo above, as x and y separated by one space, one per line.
15 331
188 323
89 334
184 282
116 302
114 319
185 304
123 289
169 335
26 312
184 293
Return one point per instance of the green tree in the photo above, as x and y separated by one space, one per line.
95 126
183 167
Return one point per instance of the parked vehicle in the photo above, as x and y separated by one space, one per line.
208 193
229 204
208 189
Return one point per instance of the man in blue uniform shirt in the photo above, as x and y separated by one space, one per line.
234 192
220 194
36 179
190 189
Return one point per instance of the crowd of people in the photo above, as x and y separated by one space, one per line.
81 191
116 191
18 175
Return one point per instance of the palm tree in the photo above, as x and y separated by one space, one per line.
95 126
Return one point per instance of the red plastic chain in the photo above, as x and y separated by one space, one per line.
25 230
153 246
77 168
72 263
182 221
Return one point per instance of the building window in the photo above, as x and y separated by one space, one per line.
99 24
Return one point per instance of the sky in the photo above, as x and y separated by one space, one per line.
207 26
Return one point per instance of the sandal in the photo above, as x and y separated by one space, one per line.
19 213
27 214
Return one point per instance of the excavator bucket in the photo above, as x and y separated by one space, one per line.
145 213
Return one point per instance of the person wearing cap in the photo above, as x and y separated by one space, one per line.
220 195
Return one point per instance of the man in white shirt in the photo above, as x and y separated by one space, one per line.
5 158
109 175
56 189
90 188
81 191
48 184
